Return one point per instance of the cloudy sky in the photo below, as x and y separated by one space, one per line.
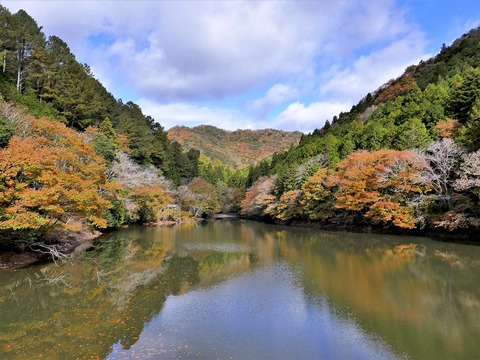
287 65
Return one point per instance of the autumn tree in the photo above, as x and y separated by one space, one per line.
381 185
469 174
395 88
151 201
309 167
447 128
50 177
259 199
145 194
289 206
318 200
444 158
199 197
468 184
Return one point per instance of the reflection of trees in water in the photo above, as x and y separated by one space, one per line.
76 319
217 266
409 293
105 295
425 297
150 299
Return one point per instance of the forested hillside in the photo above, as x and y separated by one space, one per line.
43 75
72 157
406 155
236 149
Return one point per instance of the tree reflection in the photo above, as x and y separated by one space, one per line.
418 295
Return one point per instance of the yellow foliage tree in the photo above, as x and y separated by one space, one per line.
289 206
48 176
317 198
151 201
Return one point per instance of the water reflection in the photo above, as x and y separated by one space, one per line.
246 290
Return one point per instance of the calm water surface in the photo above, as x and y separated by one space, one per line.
243 290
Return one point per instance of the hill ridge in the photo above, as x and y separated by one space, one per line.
235 148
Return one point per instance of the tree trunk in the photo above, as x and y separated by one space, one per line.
19 76
21 59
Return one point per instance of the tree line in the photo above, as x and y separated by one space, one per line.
72 156
43 75
406 155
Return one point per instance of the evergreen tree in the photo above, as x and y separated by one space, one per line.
412 134
470 132
6 131
463 97
193 156
27 44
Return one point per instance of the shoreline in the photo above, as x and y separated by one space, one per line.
463 236
77 242
459 237
18 258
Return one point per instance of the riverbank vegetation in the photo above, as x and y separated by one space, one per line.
72 157
406 156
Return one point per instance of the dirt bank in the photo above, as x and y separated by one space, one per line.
14 257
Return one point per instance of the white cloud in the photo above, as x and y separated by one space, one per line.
216 49
297 116
369 72
276 95
187 114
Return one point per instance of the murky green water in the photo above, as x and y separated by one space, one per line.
243 290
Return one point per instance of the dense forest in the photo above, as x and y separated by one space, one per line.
407 155
73 157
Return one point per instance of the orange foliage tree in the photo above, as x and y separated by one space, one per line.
382 185
395 88
49 176
447 129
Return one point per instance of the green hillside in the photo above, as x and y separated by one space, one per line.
406 155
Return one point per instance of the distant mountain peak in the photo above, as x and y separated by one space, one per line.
236 148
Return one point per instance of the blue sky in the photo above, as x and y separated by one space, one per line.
287 65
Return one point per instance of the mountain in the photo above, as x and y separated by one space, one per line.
406 112
406 156
237 148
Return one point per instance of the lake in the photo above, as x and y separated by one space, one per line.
234 289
